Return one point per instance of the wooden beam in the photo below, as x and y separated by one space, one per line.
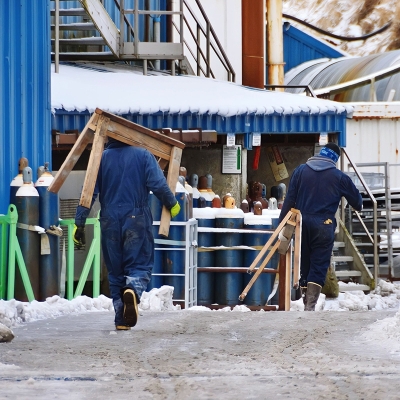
297 252
94 162
282 281
83 140
172 179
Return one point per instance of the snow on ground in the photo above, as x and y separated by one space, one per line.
386 296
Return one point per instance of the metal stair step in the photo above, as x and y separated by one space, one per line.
342 258
70 12
78 26
347 273
338 244
98 41
351 288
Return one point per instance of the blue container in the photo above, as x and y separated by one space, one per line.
158 266
228 286
261 289
50 264
205 280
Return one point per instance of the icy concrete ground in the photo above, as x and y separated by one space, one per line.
204 355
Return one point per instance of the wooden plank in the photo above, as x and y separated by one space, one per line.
288 275
269 242
136 138
141 129
172 179
297 253
282 281
259 271
94 162
83 140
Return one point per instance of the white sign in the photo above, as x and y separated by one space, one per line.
230 139
232 159
256 139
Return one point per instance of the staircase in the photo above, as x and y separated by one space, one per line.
86 31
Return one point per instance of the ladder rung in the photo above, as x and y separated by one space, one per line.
342 258
80 26
99 41
347 273
349 288
73 12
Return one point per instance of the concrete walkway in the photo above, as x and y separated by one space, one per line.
200 355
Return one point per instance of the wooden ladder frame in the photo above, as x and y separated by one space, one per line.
293 218
103 124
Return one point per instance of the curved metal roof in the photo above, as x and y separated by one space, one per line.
328 73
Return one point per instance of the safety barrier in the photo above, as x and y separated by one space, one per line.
11 255
93 257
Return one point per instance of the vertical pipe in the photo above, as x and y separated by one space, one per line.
275 43
253 43
136 28
198 60
376 259
57 37
96 261
388 204
157 20
122 26
70 263
181 38
173 67
144 67
208 46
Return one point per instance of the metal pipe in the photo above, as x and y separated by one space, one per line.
198 49
136 27
388 203
181 38
173 67
157 38
121 27
275 42
208 48
144 67
57 37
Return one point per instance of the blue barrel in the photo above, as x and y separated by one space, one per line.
27 204
229 285
174 258
205 280
261 289
50 264
274 215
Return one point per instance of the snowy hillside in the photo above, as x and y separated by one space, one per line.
350 18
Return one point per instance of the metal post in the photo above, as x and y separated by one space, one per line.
198 60
57 36
173 67
144 67
208 46
136 27
96 261
3 257
122 26
181 38
388 206
70 263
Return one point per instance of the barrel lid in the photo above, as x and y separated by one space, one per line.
272 213
251 219
229 213
205 213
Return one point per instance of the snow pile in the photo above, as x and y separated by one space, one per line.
158 300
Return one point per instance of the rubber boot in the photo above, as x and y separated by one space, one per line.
303 290
313 291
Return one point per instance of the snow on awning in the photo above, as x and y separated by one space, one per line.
188 102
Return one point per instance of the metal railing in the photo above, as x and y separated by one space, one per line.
373 239
209 34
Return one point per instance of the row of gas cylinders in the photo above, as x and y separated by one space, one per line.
215 287
38 232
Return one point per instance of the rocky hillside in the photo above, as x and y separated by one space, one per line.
350 18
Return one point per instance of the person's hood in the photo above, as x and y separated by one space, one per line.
114 144
320 163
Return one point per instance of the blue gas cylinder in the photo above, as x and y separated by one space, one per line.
229 285
261 289
27 205
205 280
49 210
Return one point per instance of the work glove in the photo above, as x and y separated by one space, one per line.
175 210
79 236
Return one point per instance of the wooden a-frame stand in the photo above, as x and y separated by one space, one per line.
292 222
102 125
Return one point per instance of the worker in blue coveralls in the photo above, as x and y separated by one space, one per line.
316 189
126 176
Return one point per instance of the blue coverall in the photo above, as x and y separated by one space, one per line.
126 176
315 189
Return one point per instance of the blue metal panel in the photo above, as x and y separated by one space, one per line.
301 123
299 47
24 88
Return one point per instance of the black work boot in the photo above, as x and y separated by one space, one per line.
313 291
131 311
303 290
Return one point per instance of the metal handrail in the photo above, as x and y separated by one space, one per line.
375 211
208 32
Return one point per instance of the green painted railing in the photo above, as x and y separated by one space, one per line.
93 258
7 269
10 255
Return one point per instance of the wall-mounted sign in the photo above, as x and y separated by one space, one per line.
230 139
256 139
232 159
277 165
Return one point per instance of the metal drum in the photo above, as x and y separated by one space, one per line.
205 280
229 285
27 204
174 258
274 215
261 289
49 210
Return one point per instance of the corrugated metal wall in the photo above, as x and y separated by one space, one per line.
24 88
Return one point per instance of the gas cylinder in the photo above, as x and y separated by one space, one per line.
189 189
204 191
194 181
49 210
17 182
27 204
209 186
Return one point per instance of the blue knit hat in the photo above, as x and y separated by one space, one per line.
330 150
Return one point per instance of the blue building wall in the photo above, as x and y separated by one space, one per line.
299 47
24 89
